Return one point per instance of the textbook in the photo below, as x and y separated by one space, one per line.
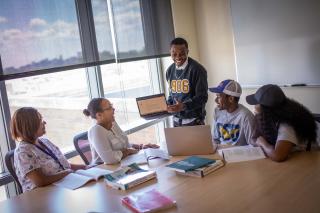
143 156
150 201
128 177
241 153
190 163
81 177
203 171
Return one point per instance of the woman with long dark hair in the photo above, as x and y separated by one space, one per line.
283 123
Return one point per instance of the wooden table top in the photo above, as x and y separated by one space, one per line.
252 186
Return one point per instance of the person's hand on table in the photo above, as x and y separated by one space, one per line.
129 151
90 166
150 145
260 141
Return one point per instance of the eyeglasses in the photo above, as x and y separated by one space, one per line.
41 119
108 108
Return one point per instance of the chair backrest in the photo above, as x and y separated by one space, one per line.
81 143
316 117
9 160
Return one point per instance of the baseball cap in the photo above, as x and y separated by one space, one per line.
268 95
228 87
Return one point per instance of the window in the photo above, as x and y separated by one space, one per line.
59 97
152 134
126 81
102 28
45 32
128 28
122 84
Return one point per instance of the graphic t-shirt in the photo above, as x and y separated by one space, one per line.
236 128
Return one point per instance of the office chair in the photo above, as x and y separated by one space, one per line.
316 117
9 160
81 143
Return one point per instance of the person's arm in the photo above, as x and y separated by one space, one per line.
128 151
250 130
279 152
201 91
214 128
75 167
176 107
39 179
168 73
102 145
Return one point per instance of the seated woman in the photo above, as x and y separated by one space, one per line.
109 144
283 123
37 161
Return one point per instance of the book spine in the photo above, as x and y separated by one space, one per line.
212 169
177 170
139 181
115 185
189 174
203 172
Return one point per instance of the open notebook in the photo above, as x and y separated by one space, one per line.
143 156
81 177
241 153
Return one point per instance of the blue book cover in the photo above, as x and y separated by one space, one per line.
190 163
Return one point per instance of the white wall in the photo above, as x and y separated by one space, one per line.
211 34
184 24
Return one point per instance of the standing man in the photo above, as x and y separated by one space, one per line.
188 86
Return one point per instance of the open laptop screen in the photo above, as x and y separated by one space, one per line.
152 104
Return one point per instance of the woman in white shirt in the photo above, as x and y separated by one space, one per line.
283 123
109 144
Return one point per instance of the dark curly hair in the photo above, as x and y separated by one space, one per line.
179 41
290 112
93 107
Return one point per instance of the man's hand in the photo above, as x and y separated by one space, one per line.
177 107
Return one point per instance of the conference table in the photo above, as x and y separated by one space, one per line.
251 186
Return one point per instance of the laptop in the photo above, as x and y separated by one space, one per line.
152 106
189 140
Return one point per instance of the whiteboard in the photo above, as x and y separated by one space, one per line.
277 41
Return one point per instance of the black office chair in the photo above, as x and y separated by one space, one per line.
316 117
9 160
81 143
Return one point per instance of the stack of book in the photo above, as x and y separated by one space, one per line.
196 166
128 177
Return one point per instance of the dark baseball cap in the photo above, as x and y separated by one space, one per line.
268 95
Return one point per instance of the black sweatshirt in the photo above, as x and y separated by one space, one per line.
190 87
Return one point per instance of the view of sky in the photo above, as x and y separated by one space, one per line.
34 30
